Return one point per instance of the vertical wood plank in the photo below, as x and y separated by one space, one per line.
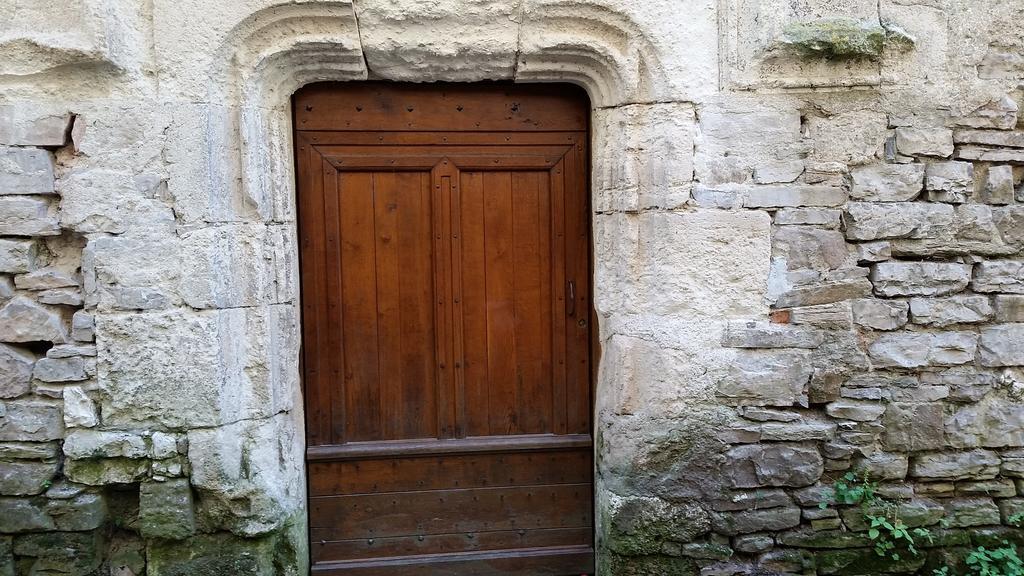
441 176
416 294
533 389
501 345
474 307
458 334
359 308
332 351
389 334
558 337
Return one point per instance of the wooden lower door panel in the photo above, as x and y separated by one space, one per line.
551 561
450 504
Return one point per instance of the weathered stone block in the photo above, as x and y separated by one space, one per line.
960 309
227 266
991 423
966 512
917 349
887 182
792 195
748 499
24 515
866 561
873 251
45 279
1008 138
999 185
1002 345
803 247
969 465
28 216
769 415
70 553
999 276
114 201
82 326
826 217
83 511
22 320
915 513
936 142
951 181
29 451
30 421
822 539
823 293
880 314
166 509
766 379
226 365
640 525
25 171
756 465
874 221
71 369
136 271
17 256
625 176
882 466
998 488
211 554
248 474
919 278
25 125
1010 507
1009 308
1009 221
79 409
798 431
753 543
755 334
999 114
748 521
25 478
855 410
990 154
913 426
15 371
90 444
100 472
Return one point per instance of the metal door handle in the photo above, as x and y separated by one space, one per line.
572 297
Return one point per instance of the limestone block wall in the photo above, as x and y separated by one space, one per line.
809 260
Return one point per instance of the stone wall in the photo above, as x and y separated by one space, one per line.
808 236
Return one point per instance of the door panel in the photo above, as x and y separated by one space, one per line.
446 309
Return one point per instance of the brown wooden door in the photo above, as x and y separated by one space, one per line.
446 326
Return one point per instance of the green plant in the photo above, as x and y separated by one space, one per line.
1016 519
889 534
1002 561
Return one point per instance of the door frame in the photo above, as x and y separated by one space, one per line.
425 158
244 169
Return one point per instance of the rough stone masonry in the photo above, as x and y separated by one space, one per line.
809 259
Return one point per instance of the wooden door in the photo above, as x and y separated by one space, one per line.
446 317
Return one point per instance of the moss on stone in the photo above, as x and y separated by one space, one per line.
641 525
281 553
211 555
648 565
837 39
